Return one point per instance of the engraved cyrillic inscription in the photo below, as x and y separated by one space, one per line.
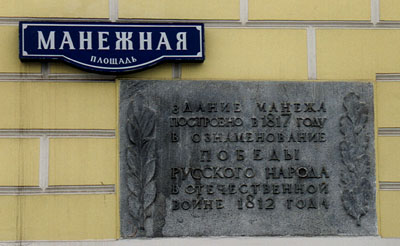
241 158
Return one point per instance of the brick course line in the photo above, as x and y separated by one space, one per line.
389 132
57 190
388 77
113 8
44 163
217 241
389 185
311 53
375 10
244 11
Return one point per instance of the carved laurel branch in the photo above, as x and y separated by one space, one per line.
357 191
141 160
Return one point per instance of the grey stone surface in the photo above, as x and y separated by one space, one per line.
212 158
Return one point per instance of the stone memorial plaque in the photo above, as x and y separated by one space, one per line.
212 158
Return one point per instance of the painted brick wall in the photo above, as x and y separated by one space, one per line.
58 125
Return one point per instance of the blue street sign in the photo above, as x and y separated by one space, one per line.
111 47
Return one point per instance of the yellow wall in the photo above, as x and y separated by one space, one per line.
240 54
50 8
10 62
19 160
309 10
388 10
245 40
91 156
50 105
178 9
355 54
67 217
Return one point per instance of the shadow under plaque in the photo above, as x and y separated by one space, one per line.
213 158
